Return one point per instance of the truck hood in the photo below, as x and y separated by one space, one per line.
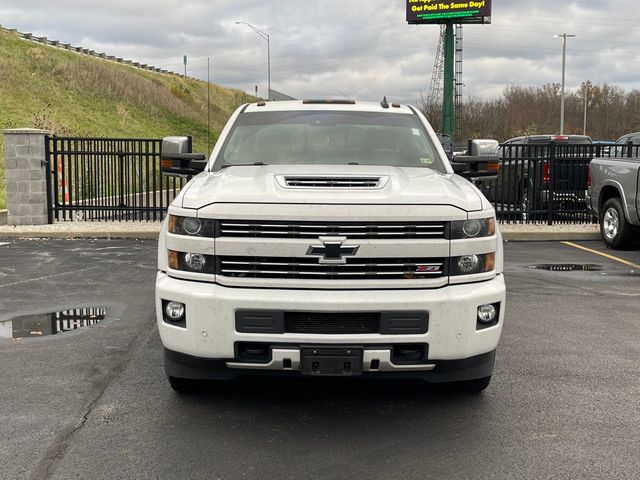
268 184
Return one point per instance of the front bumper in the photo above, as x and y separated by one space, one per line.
186 366
210 333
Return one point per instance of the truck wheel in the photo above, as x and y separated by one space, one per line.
616 231
471 386
184 385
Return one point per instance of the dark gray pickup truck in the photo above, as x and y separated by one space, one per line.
614 196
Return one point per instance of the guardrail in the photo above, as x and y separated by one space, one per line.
91 53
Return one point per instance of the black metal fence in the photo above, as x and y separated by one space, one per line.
120 180
545 183
107 179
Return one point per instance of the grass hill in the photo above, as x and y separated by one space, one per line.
72 94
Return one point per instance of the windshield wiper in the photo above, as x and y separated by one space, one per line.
227 165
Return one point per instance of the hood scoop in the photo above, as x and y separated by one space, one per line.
333 182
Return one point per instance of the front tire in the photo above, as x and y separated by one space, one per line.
615 230
476 385
184 385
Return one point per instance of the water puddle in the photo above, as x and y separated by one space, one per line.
52 323
568 267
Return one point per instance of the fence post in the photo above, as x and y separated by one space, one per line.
121 178
47 177
629 149
550 192
25 176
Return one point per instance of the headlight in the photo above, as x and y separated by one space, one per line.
192 226
475 228
472 264
191 262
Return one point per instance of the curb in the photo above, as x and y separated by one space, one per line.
153 235
131 235
550 236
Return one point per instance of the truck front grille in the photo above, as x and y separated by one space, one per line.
353 269
288 229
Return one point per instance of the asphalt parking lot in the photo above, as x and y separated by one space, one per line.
564 401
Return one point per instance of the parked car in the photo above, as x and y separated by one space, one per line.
530 182
629 138
328 238
614 195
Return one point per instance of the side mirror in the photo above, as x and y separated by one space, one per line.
482 148
176 159
482 160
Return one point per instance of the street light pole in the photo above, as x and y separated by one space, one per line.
265 36
564 37
586 101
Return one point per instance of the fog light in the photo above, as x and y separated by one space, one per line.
195 261
468 264
174 311
487 313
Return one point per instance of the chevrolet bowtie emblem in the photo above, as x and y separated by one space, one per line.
332 250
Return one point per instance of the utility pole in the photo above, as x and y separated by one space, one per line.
448 105
586 100
208 105
564 37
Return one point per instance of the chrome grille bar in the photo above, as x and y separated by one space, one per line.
360 268
279 229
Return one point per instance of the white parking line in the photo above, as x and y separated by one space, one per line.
4 243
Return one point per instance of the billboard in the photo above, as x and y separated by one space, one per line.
443 11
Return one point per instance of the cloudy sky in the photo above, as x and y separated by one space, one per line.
356 48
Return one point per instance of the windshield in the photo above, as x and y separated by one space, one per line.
329 138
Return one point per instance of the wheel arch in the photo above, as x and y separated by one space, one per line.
611 190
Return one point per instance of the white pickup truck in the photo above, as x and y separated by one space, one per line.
327 238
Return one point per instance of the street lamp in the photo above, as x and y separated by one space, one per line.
586 104
265 36
564 37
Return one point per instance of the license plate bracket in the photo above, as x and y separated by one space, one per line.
331 361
